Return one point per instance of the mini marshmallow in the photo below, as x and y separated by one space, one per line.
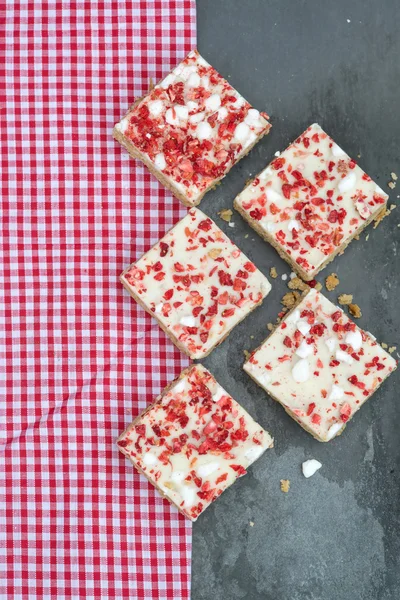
293 224
207 469
343 357
337 393
354 339
310 467
149 459
159 161
331 343
304 349
347 183
301 371
156 107
272 195
253 453
242 132
213 102
333 430
204 131
194 80
188 321
303 327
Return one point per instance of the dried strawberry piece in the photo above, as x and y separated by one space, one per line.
306 141
123 443
278 163
221 478
168 294
225 278
345 412
228 312
197 480
256 214
334 363
239 470
316 419
157 266
355 381
205 225
318 329
249 266
336 315
140 429
157 430
287 341
286 190
163 248
311 408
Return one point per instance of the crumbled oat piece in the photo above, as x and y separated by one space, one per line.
270 326
318 286
231 224
215 252
246 236
392 207
392 185
384 345
246 354
226 214
251 523
252 337
290 299
273 272
394 176
285 485
380 216
367 237
355 310
297 284
331 282
345 299
392 349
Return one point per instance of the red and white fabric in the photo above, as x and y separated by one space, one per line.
78 358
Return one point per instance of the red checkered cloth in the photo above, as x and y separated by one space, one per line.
78 358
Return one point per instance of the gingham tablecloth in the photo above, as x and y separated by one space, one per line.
78 358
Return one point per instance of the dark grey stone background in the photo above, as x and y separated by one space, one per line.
335 536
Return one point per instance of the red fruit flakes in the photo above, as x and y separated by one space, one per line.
345 412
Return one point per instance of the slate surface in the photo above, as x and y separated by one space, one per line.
336 535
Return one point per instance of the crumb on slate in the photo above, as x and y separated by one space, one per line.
345 299
331 282
246 236
290 299
270 327
285 485
380 216
318 286
226 214
246 354
392 349
355 310
392 184
251 523
394 176
273 272
297 284
384 345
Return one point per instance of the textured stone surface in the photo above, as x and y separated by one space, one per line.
336 535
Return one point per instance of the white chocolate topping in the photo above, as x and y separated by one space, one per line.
197 283
198 122
315 196
174 445
321 389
